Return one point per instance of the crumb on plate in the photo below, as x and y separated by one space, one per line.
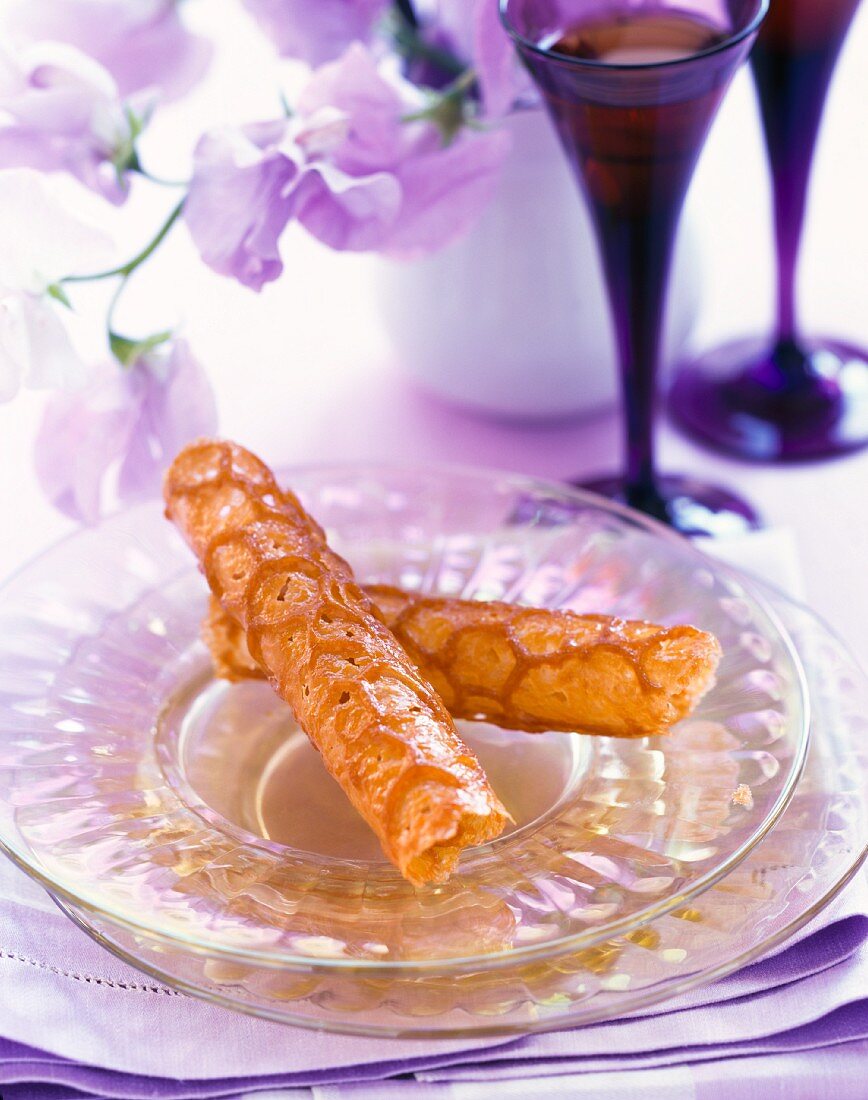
743 796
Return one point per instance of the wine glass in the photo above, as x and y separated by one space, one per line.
632 87
792 398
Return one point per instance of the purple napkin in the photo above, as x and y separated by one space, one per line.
829 1007
106 1029
834 1073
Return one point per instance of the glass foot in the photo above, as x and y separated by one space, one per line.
788 403
691 507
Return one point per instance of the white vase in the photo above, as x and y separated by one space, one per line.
513 319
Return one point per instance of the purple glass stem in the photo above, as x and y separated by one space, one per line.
793 63
637 257
633 133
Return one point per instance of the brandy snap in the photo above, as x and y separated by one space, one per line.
528 669
382 731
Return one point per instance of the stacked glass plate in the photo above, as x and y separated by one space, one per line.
188 826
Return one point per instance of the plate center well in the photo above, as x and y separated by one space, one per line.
235 754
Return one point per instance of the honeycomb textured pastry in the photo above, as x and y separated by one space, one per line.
529 669
383 732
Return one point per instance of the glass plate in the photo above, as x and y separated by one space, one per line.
191 827
815 849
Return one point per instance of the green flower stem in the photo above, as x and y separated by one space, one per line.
462 84
113 303
125 270
448 110
127 350
145 174
124 349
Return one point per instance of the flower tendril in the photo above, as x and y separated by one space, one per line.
125 349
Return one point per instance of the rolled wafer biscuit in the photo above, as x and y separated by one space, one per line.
382 731
227 644
530 669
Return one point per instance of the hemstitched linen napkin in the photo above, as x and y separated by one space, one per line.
104 1030
75 1022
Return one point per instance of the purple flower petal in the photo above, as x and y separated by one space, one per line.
41 238
348 213
35 350
445 192
240 199
52 362
176 405
377 139
81 436
142 43
478 36
126 426
316 30
62 113
502 78
348 165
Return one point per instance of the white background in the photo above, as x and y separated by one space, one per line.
303 371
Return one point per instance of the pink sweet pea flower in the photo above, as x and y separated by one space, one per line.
249 182
35 350
442 188
316 31
348 166
445 191
122 431
142 43
60 111
40 243
240 199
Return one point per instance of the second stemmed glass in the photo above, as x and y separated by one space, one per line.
633 87
790 399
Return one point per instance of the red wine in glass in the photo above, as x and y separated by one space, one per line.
632 89
789 398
